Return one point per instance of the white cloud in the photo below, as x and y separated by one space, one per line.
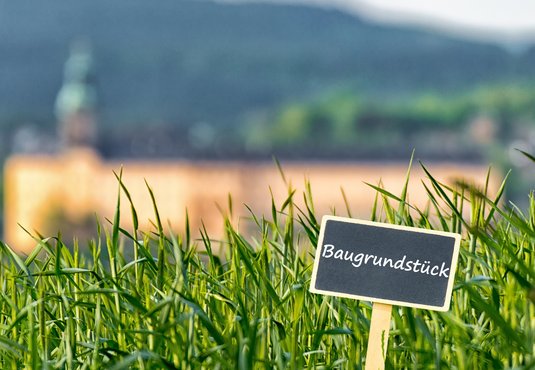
508 16
498 20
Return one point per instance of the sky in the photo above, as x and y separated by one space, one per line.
498 15
510 21
502 20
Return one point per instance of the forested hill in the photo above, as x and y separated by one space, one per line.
188 61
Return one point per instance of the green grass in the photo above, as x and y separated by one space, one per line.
179 305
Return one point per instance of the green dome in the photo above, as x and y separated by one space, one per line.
78 92
75 97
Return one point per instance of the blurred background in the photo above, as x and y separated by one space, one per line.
329 82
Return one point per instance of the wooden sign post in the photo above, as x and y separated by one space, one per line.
378 339
385 264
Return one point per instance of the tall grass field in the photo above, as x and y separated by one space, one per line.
242 301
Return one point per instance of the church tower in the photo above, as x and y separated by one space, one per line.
77 99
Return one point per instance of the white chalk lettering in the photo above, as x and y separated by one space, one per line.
416 266
443 271
425 268
358 259
327 251
389 261
399 263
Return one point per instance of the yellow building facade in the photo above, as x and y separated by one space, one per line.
78 184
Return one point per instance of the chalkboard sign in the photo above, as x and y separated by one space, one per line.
385 263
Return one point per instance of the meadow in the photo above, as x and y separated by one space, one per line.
164 300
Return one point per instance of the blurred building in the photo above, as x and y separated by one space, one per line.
70 188
64 191
77 100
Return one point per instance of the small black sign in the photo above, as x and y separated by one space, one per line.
385 263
